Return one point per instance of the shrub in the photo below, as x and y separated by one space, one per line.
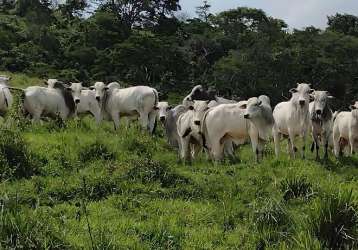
16 159
96 151
334 221
295 188
161 238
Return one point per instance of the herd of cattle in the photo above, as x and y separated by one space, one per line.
204 121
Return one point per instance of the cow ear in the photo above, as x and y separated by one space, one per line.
45 82
293 90
243 106
259 103
92 88
106 88
68 88
330 97
207 101
312 91
156 108
191 107
170 107
352 107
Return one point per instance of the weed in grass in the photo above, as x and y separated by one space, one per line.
148 170
272 215
334 221
24 229
161 238
296 187
96 151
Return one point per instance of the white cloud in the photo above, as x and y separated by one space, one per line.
296 13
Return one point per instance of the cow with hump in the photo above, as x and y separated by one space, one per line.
53 101
292 119
345 130
6 99
139 101
321 121
225 124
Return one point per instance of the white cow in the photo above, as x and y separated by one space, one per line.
220 100
170 125
163 109
321 121
188 126
139 101
85 100
259 112
6 99
292 118
225 124
42 101
345 130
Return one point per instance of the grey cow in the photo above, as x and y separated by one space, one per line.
321 120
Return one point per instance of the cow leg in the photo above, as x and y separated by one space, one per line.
185 149
276 139
304 139
351 143
336 146
316 143
144 119
152 122
115 119
217 150
97 116
292 143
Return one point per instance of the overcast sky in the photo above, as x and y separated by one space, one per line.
296 13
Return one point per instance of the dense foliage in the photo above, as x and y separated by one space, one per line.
242 52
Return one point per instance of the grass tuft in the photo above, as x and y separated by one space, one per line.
296 187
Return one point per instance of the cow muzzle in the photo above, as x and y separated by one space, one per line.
197 123
319 112
77 101
98 98
302 102
162 118
246 116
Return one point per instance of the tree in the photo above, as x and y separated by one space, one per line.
203 11
346 24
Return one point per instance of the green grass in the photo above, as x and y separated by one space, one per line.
96 188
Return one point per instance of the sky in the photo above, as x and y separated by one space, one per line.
296 13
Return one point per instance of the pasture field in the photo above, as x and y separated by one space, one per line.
79 186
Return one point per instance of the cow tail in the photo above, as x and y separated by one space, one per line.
204 130
156 98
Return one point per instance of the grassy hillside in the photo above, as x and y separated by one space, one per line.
76 186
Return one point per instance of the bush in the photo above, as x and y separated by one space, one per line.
96 151
295 188
16 159
334 221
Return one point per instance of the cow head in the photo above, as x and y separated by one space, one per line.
198 93
100 88
75 88
301 94
320 99
199 108
53 83
258 108
354 106
5 79
163 108
113 85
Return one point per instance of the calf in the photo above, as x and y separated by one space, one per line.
292 118
345 130
188 126
321 121
259 112
85 101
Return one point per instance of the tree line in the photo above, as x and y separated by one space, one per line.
241 52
